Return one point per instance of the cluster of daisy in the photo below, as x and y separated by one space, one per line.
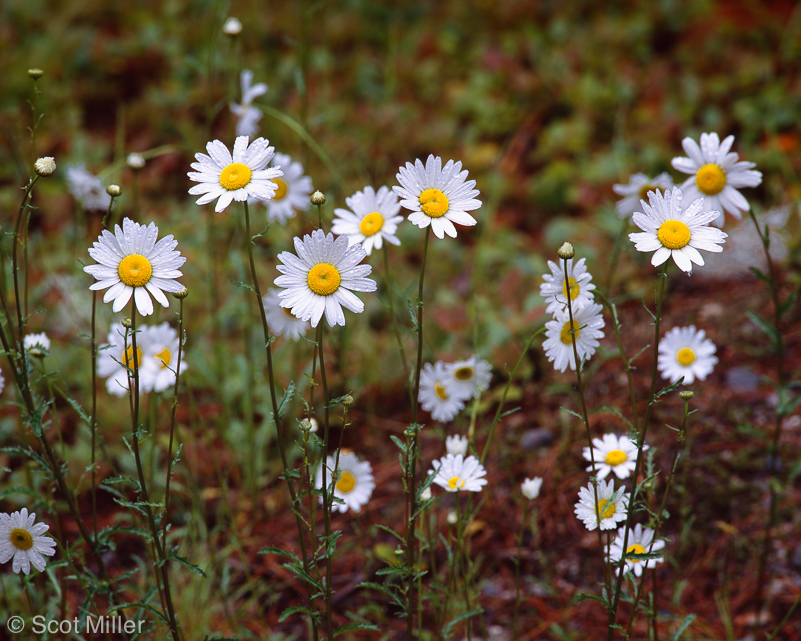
22 539
156 355
445 388
585 327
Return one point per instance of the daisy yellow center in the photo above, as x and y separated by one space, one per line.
673 234
565 335
235 176
323 279
463 373
616 457
371 224
710 179
21 539
346 483
280 192
456 483
636 549
606 509
434 203
164 356
441 391
685 356
135 270
574 289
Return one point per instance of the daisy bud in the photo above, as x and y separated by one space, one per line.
426 494
181 294
115 191
566 251
309 425
452 518
232 27
347 401
686 395
35 73
318 198
45 166
135 161
126 323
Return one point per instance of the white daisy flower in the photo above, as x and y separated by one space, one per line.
613 453
320 278
456 473
554 290
669 231
470 377
457 444
437 196
531 487
292 193
21 539
87 188
280 320
232 27
373 218
159 345
34 342
685 351
558 345
132 263
234 177
611 505
248 115
716 175
355 482
436 395
113 359
637 190
639 542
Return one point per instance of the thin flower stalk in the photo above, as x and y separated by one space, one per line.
328 498
517 567
401 350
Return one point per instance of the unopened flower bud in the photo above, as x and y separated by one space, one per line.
425 495
317 198
566 251
309 425
114 191
126 323
35 73
232 27
686 395
347 401
135 161
181 293
452 518
45 166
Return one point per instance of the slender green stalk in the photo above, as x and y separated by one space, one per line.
172 416
616 254
462 561
401 351
517 568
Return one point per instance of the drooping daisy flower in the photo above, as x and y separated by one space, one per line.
292 193
685 351
554 289
234 177
639 542
373 218
637 190
611 505
87 188
21 539
132 263
354 484
531 487
669 231
457 444
320 278
435 394
613 453
159 345
114 360
248 115
716 175
457 473
437 196
281 321
470 377
34 342
558 345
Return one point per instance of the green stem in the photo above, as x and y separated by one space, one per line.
327 497
517 569
401 351
172 417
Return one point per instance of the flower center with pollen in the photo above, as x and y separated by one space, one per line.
346 483
606 509
434 203
280 192
574 289
128 359
637 549
685 356
235 176
135 270
710 180
615 457
463 373
371 224
21 539
673 234
456 483
441 391
323 279
565 335
164 356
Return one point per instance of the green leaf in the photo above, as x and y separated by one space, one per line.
272 550
237 283
462 617
183 561
354 626
401 445
590 597
684 625
578 416
297 609
762 324
392 532
760 274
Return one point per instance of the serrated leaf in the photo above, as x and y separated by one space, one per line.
296 609
465 615
581 596
186 563
762 324
354 626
